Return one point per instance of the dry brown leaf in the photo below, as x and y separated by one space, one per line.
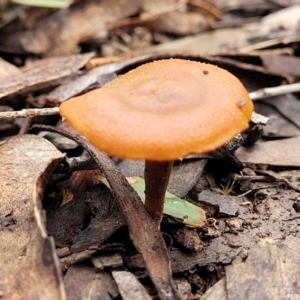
145 235
207 8
270 272
7 70
217 291
282 65
234 5
158 7
61 32
217 41
77 84
278 126
82 282
29 265
46 71
275 25
186 23
288 105
276 153
151 10
284 3
282 23
173 16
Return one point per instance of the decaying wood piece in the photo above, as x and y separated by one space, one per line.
29 265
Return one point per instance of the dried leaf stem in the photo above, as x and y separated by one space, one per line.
142 229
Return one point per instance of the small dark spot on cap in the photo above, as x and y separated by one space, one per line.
241 103
205 72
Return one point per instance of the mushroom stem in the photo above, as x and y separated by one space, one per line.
157 176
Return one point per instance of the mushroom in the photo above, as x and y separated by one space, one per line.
159 112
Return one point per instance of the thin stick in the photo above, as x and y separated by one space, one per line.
24 128
30 112
275 91
269 43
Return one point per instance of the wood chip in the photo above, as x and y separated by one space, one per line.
129 287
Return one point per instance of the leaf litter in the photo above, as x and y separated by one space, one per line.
256 225
29 265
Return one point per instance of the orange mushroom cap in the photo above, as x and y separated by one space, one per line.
162 110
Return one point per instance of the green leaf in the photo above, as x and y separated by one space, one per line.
182 210
45 3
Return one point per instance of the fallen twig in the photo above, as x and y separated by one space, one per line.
30 112
292 218
24 128
275 91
